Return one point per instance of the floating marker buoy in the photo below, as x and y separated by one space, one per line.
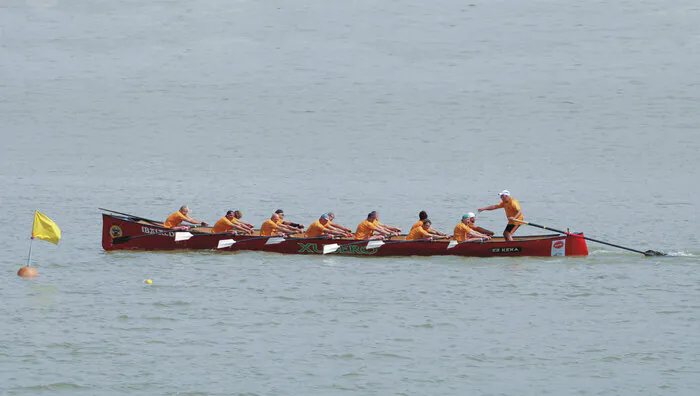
28 272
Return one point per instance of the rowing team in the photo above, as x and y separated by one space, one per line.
371 228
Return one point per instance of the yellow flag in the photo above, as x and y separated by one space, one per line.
44 228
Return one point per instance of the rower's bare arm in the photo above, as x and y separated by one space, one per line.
492 207
520 213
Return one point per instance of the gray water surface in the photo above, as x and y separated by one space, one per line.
587 113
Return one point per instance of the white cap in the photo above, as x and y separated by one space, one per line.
471 215
504 192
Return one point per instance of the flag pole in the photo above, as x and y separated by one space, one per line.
27 271
30 250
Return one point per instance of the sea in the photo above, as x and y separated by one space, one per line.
588 112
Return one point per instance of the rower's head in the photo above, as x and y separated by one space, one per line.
422 215
472 217
331 216
373 215
274 217
237 214
184 210
280 213
426 224
467 218
324 218
505 195
230 214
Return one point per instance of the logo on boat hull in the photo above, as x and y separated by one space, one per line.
559 248
514 249
115 231
352 249
147 230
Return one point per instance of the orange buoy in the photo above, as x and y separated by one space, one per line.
28 272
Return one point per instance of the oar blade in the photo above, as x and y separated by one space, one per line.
654 253
331 248
224 243
274 241
182 236
452 244
374 244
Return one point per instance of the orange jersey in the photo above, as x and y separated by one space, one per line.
417 233
512 208
223 225
268 228
316 229
175 219
461 232
365 230
418 223
280 221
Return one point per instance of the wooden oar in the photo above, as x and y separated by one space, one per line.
371 244
132 216
330 248
454 243
647 253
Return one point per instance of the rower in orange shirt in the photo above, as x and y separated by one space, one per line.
393 230
337 227
367 228
271 227
320 227
229 223
422 216
423 232
473 226
237 216
280 213
175 219
513 213
463 232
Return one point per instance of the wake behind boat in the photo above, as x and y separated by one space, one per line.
121 231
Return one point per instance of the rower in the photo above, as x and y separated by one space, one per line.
367 228
230 223
463 232
337 227
272 227
280 213
175 219
423 232
393 230
320 227
473 226
237 216
422 216
513 213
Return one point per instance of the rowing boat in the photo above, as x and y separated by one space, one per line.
126 232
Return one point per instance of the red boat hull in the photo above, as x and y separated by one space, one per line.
123 233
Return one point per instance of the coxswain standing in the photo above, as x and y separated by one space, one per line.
175 220
513 213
